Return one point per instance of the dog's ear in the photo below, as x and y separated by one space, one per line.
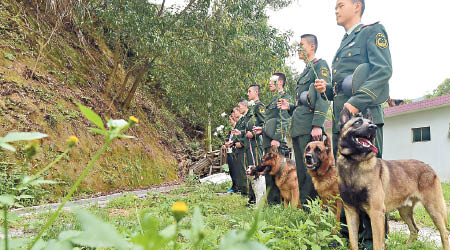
345 116
327 142
368 114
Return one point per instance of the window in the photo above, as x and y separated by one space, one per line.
421 134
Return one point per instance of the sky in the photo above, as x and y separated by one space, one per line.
418 33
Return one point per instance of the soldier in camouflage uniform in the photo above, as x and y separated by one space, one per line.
280 119
308 114
361 44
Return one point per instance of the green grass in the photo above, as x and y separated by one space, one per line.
421 216
280 228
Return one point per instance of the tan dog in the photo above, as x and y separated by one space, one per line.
377 186
319 161
285 176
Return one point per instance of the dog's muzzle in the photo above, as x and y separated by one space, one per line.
310 162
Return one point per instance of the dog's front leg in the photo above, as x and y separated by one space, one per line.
352 216
377 221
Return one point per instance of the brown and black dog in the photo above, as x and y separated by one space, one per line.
319 161
377 186
285 174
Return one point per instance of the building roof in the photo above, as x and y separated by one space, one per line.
425 104
418 106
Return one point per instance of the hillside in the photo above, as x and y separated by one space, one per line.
71 69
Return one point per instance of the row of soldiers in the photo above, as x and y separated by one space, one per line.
258 126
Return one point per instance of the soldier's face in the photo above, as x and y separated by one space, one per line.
308 48
272 87
242 108
345 11
252 94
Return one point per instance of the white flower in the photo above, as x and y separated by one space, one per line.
274 78
215 134
209 104
116 123
223 114
220 128
251 103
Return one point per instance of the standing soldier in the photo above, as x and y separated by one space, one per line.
228 146
256 110
366 48
309 111
275 129
246 156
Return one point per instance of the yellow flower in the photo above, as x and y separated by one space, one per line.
179 209
133 120
72 140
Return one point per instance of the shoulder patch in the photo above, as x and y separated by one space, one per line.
262 110
315 61
324 71
381 41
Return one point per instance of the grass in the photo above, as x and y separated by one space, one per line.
280 228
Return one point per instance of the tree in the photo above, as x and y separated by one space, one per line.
442 89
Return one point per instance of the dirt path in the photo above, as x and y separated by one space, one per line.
100 201
425 233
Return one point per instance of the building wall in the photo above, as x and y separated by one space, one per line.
436 152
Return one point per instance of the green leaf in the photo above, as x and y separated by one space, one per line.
99 131
7 199
7 147
9 56
315 247
91 116
58 245
24 196
22 136
98 234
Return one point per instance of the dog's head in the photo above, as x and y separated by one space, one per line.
269 162
319 154
254 171
357 136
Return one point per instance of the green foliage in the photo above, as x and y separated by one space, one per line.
442 89
205 52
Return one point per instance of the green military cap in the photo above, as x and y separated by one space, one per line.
269 127
352 83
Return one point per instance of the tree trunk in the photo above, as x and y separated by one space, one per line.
116 65
137 80
124 84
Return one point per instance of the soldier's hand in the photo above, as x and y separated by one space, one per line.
238 145
236 132
257 130
228 144
316 133
283 104
320 85
249 135
351 108
275 143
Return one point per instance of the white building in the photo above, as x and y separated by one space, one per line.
419 130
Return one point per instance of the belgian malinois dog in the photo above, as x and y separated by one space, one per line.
285 174
319 161
377 186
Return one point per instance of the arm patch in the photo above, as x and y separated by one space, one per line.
381 41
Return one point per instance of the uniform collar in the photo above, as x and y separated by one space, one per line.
352 28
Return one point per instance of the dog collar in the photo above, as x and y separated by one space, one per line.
283 164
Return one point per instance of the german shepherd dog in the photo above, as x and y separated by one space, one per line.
285 174
319 161
377 186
